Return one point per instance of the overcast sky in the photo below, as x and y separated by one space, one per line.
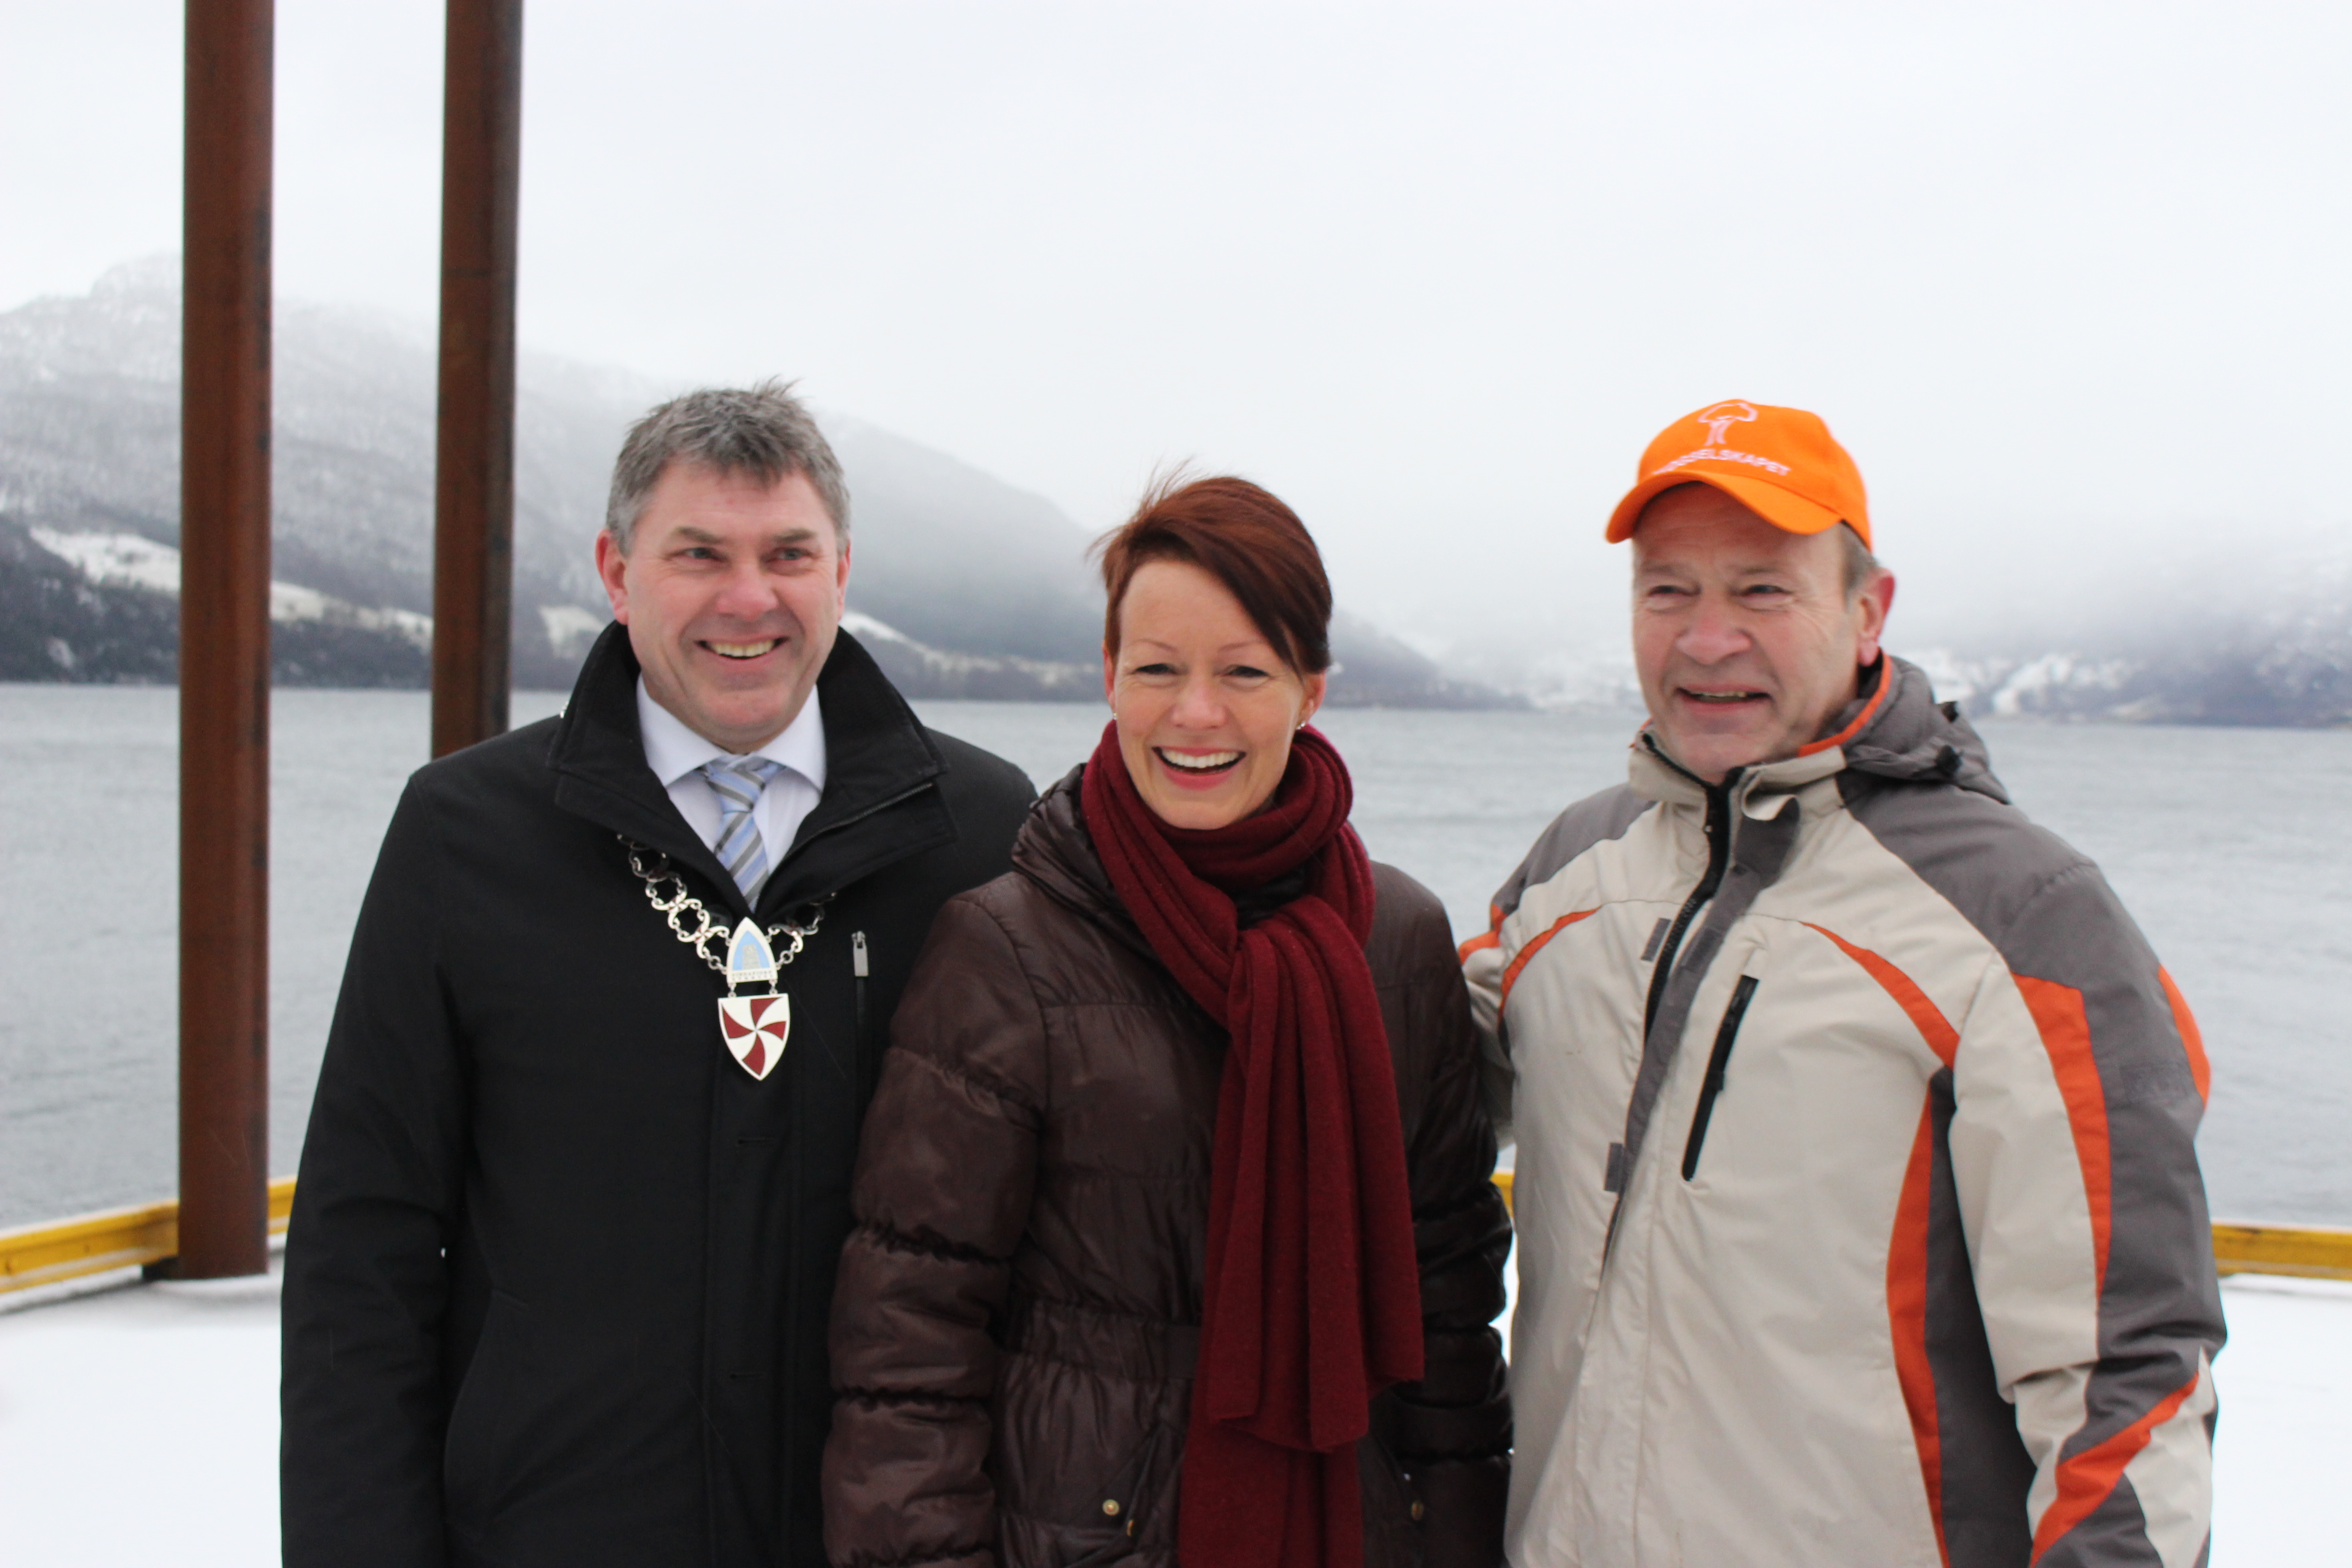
2069 280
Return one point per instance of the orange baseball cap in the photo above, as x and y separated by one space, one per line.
1781 463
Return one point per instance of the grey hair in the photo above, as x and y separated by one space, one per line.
763 431
1859 567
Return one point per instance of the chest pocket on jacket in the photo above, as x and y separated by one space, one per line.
1717 1061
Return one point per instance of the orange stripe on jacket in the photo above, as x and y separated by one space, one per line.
2088 1478
2192 1039
1907 1254
1511 975
2066 1036
1907 1313
1492 937
1885 684
1926 1017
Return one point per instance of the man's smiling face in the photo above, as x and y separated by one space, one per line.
732 593
1744 637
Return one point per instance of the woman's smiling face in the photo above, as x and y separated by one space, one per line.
1205 705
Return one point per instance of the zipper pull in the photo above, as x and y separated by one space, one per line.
857 954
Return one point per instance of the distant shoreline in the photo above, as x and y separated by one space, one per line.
552 698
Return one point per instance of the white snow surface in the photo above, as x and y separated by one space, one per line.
141 1424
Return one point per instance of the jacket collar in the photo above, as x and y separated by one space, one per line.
878 760
1911 736
1894 729
1055 851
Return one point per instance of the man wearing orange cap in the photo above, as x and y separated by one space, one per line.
1859 1216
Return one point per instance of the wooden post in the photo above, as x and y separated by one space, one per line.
224 645
473 540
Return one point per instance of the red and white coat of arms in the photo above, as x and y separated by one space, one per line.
756 1028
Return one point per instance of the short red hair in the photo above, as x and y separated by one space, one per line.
1243 536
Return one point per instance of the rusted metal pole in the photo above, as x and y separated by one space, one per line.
473 538
224 645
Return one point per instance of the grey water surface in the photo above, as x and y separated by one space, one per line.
2232 848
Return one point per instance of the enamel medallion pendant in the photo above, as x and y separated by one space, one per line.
754 1028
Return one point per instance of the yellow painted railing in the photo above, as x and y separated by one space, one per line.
2306 1250
45 1254
118 1239
2284 1250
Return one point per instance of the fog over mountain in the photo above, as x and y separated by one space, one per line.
962 584
2247 629
2240 615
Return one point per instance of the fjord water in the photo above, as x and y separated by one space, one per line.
2232 848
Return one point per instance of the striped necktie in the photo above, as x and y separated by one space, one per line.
739 782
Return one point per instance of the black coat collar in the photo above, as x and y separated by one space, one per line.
881 768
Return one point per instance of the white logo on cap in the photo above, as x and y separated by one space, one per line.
1718 419
1722 416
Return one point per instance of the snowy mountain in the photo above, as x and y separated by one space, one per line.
966 585
2233 637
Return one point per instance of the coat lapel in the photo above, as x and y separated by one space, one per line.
881 776
598 758
882 801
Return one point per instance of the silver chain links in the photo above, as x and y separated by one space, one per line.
653 867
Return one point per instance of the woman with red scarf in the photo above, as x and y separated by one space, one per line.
1175 1237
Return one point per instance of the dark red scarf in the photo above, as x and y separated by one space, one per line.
1313 1294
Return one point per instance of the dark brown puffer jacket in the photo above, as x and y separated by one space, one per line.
1015 1319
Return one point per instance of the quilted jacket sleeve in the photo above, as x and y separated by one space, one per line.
943 1188
1451 1430
2078 1083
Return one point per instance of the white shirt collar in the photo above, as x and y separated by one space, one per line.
673 751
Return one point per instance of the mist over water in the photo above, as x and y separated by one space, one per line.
2229 847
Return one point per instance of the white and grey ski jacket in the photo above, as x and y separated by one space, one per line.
1859 1215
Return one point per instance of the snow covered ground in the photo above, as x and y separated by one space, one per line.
141 1424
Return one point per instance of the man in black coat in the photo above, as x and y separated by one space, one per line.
564 1243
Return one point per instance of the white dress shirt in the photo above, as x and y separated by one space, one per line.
675 753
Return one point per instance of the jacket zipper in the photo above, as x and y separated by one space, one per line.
1718 858
858 970
1712 1085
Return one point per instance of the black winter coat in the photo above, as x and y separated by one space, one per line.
1014 1331
559 1272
